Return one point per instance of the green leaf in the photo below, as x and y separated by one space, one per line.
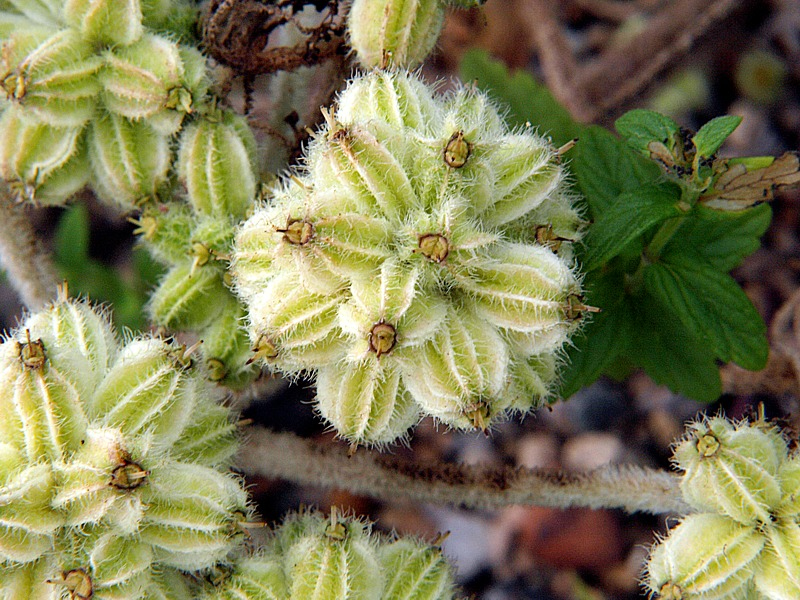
605 167
722 239
714 133
712 305
71 240
671 354
528 101
607 334
640 127
631 215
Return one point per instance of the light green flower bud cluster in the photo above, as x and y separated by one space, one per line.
93 96
216 165
311 557
419 264
113 463
744 540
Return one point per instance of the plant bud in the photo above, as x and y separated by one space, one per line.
253 578
532 379
107 22
129 159
415 571
526 175
216 163
147 79
42 164
117 566
169 584
365 401
789 477
706 556
394 32
28 581
330 559
27 521
732 469
192 515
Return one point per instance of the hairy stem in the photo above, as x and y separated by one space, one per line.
27 265
286 456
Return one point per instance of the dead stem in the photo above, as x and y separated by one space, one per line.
286 456
28 266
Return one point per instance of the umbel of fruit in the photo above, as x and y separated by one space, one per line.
418 264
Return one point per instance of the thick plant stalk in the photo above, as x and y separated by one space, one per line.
28 266
286 456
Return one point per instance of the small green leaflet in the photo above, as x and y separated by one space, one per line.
721 238
712 305
712 135
630 216
528 100
605 167
640 127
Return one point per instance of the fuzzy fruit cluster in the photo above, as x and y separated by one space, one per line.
744 540
419 263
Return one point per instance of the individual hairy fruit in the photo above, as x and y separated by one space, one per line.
405 264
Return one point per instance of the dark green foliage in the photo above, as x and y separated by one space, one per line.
657 259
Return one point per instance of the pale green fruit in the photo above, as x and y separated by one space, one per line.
227 348
53 75
169 584
192 514
301 326
519 287
789 477
129 159
28 581
532 379
778 572
399 100
187 297
166 230
330 559
398 33
732 469
148 390
42 164
216 163
97 483
108 22
43 413
79 340
147 79
707 557
28 523
365 401
415 571
44 12
211 438
458 377
253 578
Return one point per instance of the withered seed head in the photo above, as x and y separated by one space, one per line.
128 476
31 353
434 247
382 338
298 232
457 150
